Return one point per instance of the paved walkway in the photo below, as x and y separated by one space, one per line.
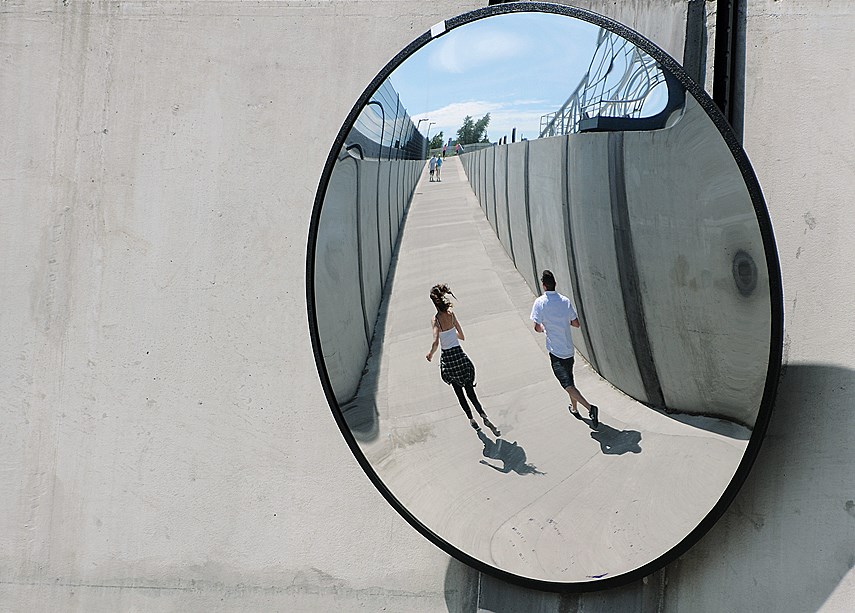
550 498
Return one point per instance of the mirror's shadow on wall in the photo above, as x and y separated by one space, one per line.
736 551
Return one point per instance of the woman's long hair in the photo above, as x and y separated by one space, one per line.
437 295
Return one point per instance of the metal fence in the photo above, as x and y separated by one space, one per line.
620 83
384 130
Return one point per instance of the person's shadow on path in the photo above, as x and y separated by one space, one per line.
511 455
617 442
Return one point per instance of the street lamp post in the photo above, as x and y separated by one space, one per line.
427 138
417 129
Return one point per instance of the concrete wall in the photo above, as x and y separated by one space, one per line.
349 225
165 442
687 214
160 264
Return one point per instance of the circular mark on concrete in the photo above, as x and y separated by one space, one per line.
744 273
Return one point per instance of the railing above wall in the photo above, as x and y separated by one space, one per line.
616 93
384 130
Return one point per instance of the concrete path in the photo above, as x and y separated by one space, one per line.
550 498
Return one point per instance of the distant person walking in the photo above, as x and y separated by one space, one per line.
438 168
455 367
553 313
444 148
432 166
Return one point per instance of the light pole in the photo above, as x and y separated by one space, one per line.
382 126
417 129
427 138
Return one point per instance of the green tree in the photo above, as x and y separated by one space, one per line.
481 129
436 141
473 131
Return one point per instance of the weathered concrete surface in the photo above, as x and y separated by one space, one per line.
788 543
597 264
165 442
709 341
785 545
348 265
503 229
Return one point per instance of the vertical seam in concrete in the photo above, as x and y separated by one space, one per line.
482 176
379 233
628 273
359 259
729 62
528 221
695 45
571 252
389 201
508 202
495 214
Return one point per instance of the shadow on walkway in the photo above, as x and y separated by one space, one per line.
511 455
617 442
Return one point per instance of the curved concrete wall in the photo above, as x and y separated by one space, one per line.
708 340
503 230
597 280
641 229
518 214
354 203
489 185
337 278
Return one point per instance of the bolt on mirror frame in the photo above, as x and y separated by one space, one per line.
772 264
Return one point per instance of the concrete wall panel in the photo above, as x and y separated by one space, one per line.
384 211
549 216
372 272
482 182
501 198
518 215
476 174
337 274
688 225
477 166
397 187
489 185
599 298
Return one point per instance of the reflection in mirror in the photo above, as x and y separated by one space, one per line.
510 145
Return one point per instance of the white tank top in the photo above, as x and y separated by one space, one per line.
448 338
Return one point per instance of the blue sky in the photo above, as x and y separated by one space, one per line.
517 67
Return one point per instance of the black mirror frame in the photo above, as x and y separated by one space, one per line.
772 265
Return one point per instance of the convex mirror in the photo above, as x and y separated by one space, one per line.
502 143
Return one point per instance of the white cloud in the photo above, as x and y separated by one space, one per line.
504 117
460 54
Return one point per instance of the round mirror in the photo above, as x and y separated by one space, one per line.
544 296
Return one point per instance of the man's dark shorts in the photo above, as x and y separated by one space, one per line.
563 369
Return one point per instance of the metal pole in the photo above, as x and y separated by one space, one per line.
424 145
427 136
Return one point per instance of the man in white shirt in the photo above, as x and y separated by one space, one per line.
553 313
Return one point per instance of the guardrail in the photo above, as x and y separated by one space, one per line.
619 84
